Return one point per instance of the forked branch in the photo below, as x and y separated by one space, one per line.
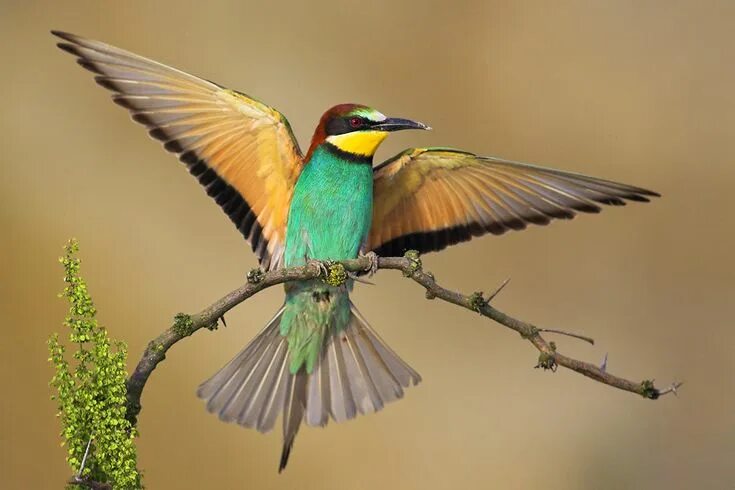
410 264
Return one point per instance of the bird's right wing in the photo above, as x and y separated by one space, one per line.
242 151
428 198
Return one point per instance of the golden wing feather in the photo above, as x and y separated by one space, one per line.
242 151
429 198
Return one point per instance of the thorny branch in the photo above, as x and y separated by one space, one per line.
410 264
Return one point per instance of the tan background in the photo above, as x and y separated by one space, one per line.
640 92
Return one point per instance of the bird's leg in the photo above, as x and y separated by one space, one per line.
372 267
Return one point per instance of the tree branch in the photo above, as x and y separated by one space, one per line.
410 264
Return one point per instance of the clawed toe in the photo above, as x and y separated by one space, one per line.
372 267
320 266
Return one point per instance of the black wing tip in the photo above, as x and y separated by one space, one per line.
69 48
63 34
68 38
106 82
646 192
123 102
639 194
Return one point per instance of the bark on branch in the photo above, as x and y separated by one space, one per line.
410 264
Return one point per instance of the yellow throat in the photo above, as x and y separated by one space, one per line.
363 143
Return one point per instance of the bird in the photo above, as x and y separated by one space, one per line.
318 359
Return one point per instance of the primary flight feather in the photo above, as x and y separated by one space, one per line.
318 358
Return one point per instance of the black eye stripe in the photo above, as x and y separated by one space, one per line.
342 125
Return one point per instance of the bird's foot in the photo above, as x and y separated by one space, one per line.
320 266
372 267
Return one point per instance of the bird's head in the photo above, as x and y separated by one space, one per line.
357 130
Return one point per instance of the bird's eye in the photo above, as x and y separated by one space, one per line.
355 122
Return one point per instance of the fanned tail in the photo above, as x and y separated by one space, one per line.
356 373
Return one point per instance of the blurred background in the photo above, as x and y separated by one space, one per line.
639 92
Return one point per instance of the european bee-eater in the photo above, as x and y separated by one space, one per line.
318 358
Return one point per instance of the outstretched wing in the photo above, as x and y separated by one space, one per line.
242 151
429 198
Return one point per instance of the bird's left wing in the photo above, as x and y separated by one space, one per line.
428 198
242 151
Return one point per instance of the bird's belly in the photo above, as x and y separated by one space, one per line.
326 234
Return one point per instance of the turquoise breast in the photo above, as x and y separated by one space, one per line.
330 211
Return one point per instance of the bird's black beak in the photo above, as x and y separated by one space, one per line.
397 124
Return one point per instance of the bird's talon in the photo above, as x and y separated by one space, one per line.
372 267
320 266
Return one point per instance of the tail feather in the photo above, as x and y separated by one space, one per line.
318 397
392 364
234 389
363 372
343 406
293 413
356 373
266 389
277 394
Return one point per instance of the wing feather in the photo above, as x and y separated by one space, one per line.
429 198
242 151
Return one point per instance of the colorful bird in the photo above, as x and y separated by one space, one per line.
317 358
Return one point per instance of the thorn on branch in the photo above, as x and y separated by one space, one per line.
355 277
255 275
497 291
603 366
547 361
414 259
222 319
